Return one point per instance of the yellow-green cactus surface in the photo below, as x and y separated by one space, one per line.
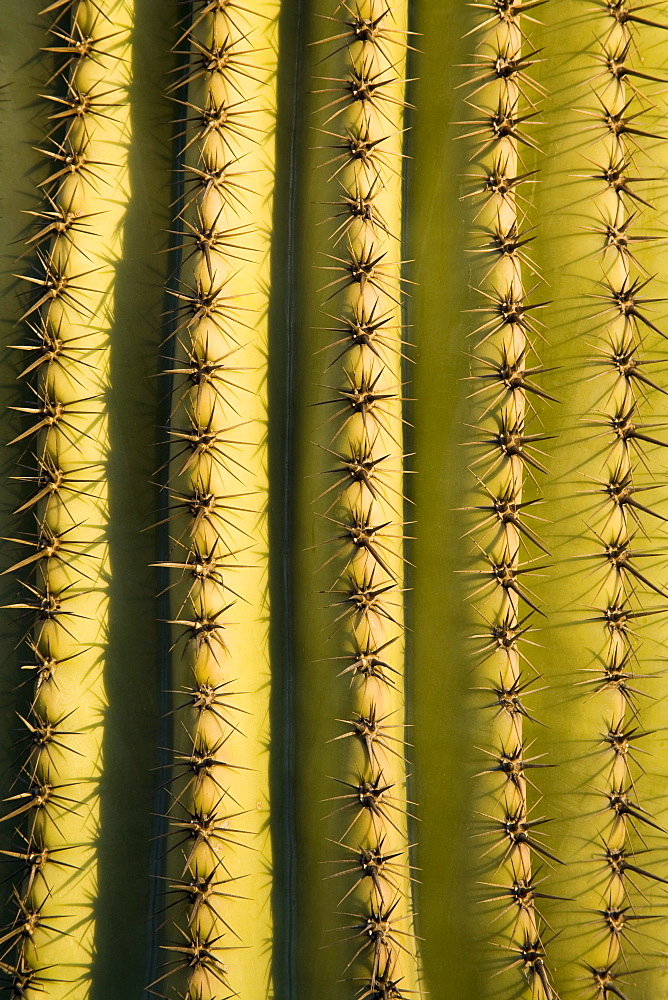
333 512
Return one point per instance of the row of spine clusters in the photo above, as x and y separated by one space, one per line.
217 924
508 401
627 588
65 273
361 84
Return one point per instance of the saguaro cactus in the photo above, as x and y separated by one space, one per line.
62 563
614 606
333 513
508 398
349 613
217 508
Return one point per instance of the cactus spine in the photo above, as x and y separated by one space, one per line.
608 549
62 563
219 921
624 581
504 526
351 627
557 173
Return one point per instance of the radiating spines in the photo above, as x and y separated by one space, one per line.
217 913
625 520
58 551
508 464
360 87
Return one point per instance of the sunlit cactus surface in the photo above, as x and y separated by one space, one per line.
333 521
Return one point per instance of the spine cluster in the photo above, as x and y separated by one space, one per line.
361 121
625 519
65 277
509 462
217 912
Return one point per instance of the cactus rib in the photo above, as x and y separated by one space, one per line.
62 563
504 526
218 881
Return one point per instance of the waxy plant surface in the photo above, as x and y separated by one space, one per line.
333 508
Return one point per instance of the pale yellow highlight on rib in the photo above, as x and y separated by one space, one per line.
239 921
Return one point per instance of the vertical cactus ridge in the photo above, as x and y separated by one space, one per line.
602 644
508 553
624 521
353 294
61 562
403 358
218 882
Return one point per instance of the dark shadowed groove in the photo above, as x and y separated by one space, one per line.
289 133
167 322
127 882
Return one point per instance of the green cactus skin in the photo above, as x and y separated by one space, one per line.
218 927
17 160
438 645
63 563
574 721
349 486
605 669
506 400
349 918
